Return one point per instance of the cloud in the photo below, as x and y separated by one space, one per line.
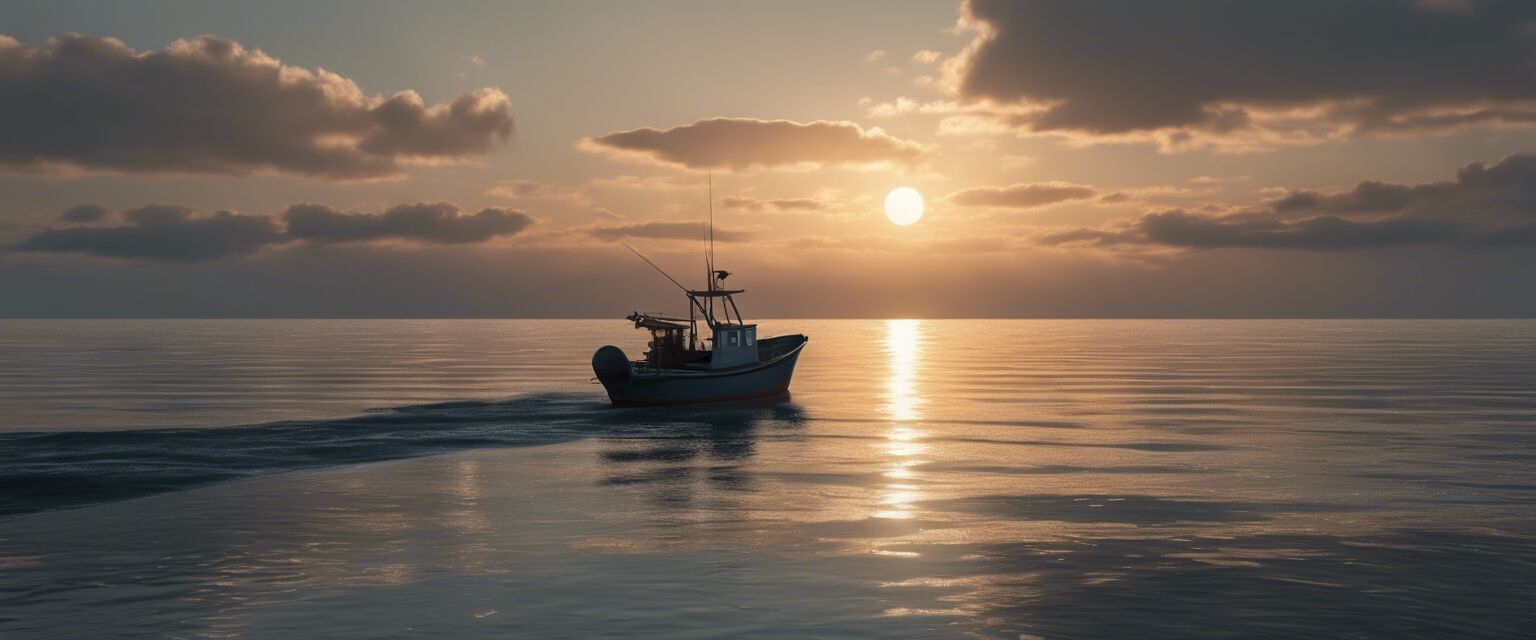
774 205
167 233
174 233
209 106
657 230
647 183
608 214
1182 229
429 222
1191 73
749 143
926 56
85 213
1482 206
1168 195
1022 195
874 56
903 105
1505 189
517 189
1322 233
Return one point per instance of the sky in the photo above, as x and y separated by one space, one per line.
1187 158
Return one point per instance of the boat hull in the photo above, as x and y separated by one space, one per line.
627 384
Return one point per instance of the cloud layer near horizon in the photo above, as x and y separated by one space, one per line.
174 233
209 106
662 230
1484 205
1198 72
1021 195
750 143
773 205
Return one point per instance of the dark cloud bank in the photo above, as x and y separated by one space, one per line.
748 143
1120 66
171 233
85 213
436 222
209 106
1483 206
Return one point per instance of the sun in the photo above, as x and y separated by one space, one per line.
904 206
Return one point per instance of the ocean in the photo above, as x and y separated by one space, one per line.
925 479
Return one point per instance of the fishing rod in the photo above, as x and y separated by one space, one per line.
668 276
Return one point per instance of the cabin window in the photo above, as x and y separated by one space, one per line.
751 337
730 339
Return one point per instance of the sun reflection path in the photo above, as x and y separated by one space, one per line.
904 347
903 405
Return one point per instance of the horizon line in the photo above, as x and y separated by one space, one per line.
859 318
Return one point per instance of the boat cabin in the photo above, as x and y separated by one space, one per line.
733 345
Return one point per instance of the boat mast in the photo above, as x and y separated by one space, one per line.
709 233
709 248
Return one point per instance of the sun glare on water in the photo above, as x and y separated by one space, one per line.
904 206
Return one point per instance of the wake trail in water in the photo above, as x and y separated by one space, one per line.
46 471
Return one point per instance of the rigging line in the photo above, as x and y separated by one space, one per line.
653 266
668 276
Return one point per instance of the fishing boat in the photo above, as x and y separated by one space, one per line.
681 367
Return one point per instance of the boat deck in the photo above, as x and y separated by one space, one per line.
769 350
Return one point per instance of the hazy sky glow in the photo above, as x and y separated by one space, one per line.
1111 159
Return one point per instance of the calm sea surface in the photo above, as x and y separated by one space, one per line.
994 479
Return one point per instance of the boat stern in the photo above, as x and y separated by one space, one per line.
613 369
